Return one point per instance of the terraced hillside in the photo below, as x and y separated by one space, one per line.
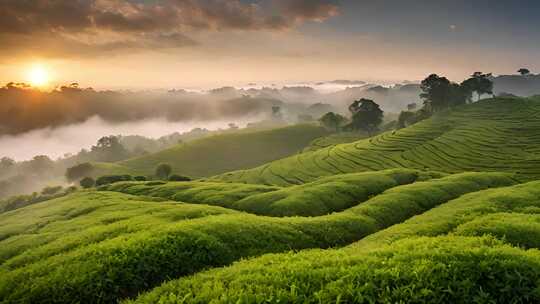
102 246
492 135
319 227
324 196
470 249
221 153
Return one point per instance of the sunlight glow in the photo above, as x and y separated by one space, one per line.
38 76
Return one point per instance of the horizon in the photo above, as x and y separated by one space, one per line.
151 44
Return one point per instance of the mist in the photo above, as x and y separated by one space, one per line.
59 141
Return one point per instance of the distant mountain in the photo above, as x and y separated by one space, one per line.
517 85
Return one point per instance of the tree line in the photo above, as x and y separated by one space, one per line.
437 92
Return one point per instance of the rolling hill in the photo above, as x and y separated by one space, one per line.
220 153
100 246
499 135
400 217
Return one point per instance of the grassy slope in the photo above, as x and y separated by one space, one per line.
335 139
493 135
441 256
221 153
324 196
102 246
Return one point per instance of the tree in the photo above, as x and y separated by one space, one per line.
405 119
87 182
366 115
40 165
479 83
6 163
163 171
524 71
79 171
276 113
109 149
332 121
51 190
439 93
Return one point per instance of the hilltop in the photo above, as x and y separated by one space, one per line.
498 135
221 153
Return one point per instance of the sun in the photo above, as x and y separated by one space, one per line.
38 76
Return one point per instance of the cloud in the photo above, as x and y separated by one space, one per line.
62 26
308 10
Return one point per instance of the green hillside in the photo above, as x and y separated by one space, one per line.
441 256
221 153
492 135
444 211
103 246
324 196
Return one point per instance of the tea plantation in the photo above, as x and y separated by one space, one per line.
491 135
444 211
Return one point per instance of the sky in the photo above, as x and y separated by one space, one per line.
144 44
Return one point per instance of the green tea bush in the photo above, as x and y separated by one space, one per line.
109 179
418 270
125 264
324 196
179 178
211 193
87 182
496 135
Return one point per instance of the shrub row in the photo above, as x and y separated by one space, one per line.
441 256
125 265
324 196
418 270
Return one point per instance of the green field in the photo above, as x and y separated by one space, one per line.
220 153
444 211
441 256
500 135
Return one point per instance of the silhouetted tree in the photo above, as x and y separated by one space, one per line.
479 83
163 171
332 121
41 165
524 71
366 115
109 149
79 171
6 163
439 93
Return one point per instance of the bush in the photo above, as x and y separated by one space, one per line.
179 178
87 182
109 179
419 270
51 190
79 171
140 178
163 171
